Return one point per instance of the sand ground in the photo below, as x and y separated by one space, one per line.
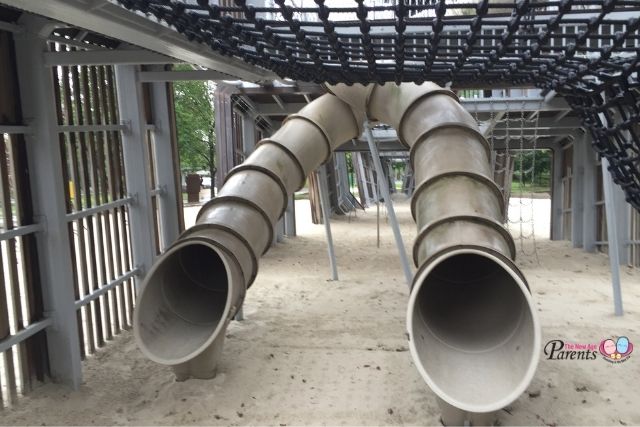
314 351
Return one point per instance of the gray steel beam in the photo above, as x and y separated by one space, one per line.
21 230
561 115
280 227
11 129
48 189
75 42
326 218
499 144
383 185
622 219
612 234
491 123
106 57
589 198
105 288
175 76
254 113
481 105
11 28
279 102
136 162
113 20
290 217
295 88
248 134
165 172
577 191
556 194
269 109
23 334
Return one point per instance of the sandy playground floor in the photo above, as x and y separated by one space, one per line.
314 351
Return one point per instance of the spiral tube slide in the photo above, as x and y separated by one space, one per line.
472 326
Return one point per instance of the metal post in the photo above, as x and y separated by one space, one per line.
623 222
620 208
47 185
612 233
361 176
589 202
326 218
280 230
248 134
378 223
577 191
248 145
136 162
383 185
290 217
165 173
556 194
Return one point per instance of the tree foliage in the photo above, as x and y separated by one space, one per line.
195 121
533 168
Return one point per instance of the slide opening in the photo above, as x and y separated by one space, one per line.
469 302
184 303
473 330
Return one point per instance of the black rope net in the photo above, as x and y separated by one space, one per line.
585 50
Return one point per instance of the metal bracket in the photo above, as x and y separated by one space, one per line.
133 199
127 124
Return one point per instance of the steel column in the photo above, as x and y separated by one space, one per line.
556 194
589 197
248 134
383 184
279 234
622 218
165 173
577 190
612 233
48 188
137 171
326 218
290 217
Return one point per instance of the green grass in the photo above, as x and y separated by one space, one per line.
525 188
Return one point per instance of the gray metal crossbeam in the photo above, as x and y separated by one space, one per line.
112 20
106 57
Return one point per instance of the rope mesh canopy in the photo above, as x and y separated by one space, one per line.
585 50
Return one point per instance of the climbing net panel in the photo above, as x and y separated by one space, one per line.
585 50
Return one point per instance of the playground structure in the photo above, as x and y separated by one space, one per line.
559 76
470 305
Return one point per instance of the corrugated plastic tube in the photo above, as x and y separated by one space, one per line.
473 330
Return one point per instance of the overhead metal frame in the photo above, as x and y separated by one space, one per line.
114 21
529 48
106 57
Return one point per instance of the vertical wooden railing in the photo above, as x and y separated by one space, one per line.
96 199
22 362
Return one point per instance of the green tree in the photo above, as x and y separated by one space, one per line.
195 121
533 168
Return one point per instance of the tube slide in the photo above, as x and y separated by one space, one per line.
472 326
